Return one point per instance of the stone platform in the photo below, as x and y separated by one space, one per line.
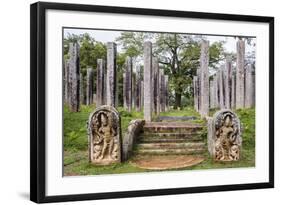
165 162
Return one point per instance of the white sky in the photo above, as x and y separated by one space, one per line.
107 36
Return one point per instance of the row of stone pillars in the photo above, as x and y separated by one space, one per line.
149 93
156 91
227 88
106 83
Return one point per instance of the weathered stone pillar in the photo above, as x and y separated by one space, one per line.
124 91
162 90
74 77
240 78
204 87
133 90
89 87
81 92
233 93
156 81
128 84
221 88
147 71
198 73
166 82
195 92
66 82
100 83
212 94
138 89
142 94
227 82
216 97
111 77
249 87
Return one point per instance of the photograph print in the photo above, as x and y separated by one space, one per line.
144 101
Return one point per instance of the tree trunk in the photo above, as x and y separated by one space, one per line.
178 101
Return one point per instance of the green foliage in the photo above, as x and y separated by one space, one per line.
247 118
90 51
179 55
76 142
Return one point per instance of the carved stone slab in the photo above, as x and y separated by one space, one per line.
104 136
224 136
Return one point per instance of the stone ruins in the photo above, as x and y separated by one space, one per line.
228 88
104 136
146 89
224 136
151 97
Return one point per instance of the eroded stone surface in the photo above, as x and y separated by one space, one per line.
224 136
147 73
134 128
111 76
240 74
166 162
74 77
204 81
104 136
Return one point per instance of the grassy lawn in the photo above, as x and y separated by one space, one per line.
76 142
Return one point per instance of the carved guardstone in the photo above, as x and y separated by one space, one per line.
104 132
224 136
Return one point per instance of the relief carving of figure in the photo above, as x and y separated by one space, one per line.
227 137
104 136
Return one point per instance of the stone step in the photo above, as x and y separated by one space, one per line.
172 124
172 145
172 129
175 118
170 137
179 151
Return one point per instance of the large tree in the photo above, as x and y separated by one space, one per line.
178 53
90 50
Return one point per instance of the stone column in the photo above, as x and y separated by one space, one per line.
74 77
138 89
195 92
128 84
227 82
100 83
124 91
249 87
89 86
166 81
162 90
198 73
233 93
142 94
111 77
156 96
133 90
147 71
66 82
216 97
212 94
221 88
240 78
81 92
204 87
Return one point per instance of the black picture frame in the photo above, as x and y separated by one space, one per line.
38 103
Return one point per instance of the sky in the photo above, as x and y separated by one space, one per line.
107 36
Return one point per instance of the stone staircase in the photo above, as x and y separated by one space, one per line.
170 138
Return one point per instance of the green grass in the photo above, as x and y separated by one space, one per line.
76 142
184 112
